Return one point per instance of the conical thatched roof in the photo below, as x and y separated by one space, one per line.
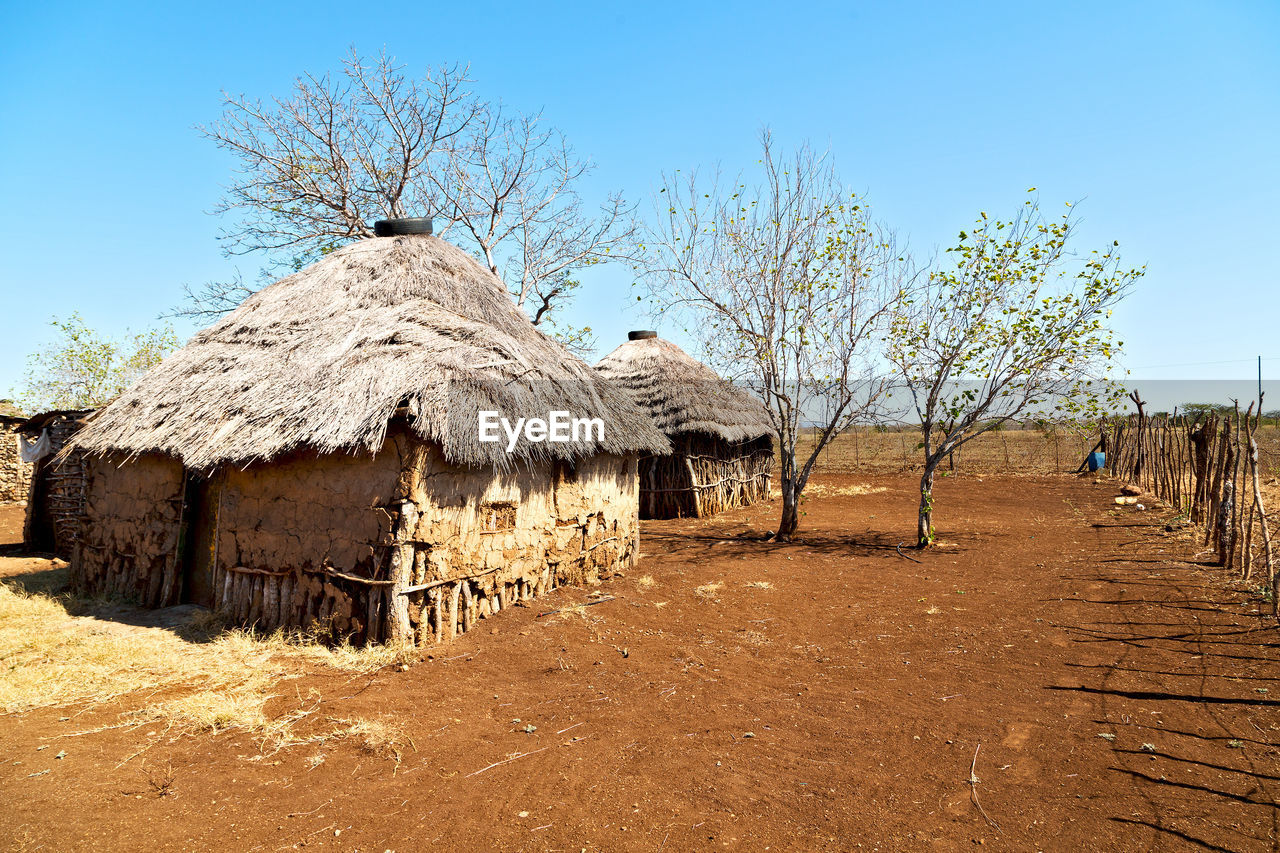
681 394
325 357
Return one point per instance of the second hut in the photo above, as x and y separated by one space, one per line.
722 437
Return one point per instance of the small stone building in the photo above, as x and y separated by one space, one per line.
314 458
721 435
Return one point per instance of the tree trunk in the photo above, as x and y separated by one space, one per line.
924 524
790 520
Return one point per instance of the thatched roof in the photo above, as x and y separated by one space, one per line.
326 357
682 394
35 423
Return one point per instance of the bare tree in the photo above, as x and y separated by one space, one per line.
1011 325
791 282
512 188
212 299
318 167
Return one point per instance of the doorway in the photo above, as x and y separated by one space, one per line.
199 539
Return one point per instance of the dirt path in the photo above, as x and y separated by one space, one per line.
735 694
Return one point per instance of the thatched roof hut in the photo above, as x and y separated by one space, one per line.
315 457
721 434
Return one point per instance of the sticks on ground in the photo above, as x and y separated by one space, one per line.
973 790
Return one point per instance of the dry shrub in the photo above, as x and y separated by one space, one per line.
376 737
573 610
709 590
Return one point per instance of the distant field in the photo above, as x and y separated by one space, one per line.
1027 451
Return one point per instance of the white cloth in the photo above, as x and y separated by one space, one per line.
34 451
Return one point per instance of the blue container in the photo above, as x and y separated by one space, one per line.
1097 459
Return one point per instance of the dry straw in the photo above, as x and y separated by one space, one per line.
326 357
684 395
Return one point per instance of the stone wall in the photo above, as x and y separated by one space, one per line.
128 544
15 475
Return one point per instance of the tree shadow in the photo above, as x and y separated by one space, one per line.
191 622
1110 667
1206 764
1160 696
1183 836
753 543
1188 786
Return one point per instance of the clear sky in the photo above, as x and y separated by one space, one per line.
1163 117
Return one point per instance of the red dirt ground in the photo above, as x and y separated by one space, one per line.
840 708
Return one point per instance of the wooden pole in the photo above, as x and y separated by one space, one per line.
399 628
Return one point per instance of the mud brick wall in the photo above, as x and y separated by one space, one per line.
482 541
398 546
305 509
128 544
15 475
305 540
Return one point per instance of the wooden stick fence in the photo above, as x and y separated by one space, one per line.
704 476
1207 468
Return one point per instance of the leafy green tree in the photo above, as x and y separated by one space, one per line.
1196 411
1009 324
83 369
789 283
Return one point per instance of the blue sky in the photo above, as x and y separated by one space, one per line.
1163 117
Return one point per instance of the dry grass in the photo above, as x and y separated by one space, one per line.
1004 451
709 590
573 610
760 585
376 737
1008 451
645 582
819 490
207 678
